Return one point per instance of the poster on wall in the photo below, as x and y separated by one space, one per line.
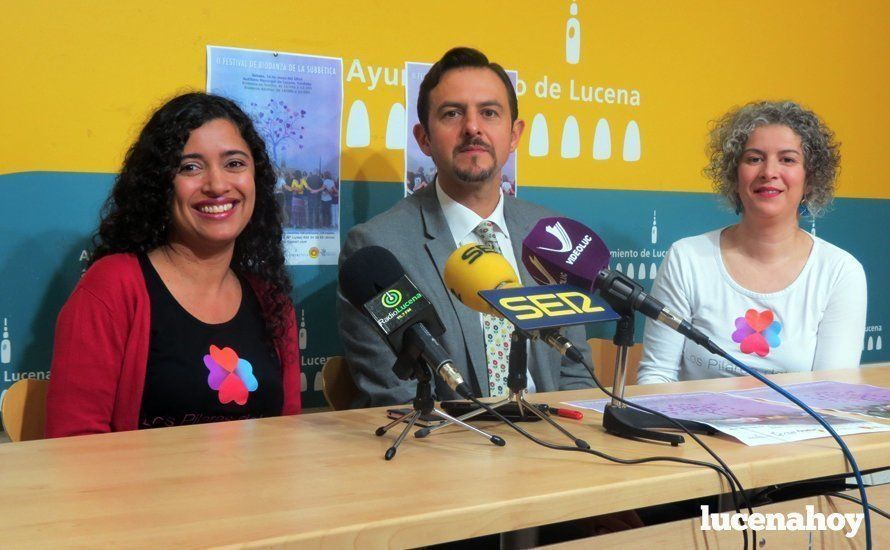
419 168
296 103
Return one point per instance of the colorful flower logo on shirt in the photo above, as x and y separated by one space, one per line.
230 375
757 332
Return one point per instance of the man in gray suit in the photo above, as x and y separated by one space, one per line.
469 125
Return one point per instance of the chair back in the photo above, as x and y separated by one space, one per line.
24 409
337 385
604 353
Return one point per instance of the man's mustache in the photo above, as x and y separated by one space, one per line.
474 143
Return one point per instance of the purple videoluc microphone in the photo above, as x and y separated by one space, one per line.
564 251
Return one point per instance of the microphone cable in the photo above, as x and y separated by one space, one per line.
573 354
714 348
815 484
680 426
872 507
686 329
723 469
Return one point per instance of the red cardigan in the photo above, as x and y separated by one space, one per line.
101 352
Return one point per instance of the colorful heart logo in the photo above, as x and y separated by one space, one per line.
757 332
230 375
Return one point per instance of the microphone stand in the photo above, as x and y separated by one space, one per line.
624 421
423 403
517 382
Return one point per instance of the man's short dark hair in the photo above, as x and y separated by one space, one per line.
458 58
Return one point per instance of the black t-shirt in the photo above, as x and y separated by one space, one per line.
198 372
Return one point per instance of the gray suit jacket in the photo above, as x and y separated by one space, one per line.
416 232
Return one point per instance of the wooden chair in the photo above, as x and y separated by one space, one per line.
604 353
24 409
337 385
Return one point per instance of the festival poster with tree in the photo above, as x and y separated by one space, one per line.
295 102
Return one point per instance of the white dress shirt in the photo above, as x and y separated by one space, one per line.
462 221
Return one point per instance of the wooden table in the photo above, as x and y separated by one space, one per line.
319 480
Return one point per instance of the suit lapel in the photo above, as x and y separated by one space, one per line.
440 245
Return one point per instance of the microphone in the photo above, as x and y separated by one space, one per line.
473 268
374 282
567 251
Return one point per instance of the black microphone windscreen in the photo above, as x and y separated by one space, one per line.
367 272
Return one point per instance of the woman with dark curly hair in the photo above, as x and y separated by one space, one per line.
781 299
184 315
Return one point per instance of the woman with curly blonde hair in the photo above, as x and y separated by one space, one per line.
778 298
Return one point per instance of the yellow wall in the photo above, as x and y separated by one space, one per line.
79 77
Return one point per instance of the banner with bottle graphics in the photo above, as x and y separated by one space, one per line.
641 263
295 102
5 350
419 168
11 371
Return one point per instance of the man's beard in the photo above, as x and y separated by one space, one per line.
470 176
476 176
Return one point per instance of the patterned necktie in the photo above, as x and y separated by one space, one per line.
496 330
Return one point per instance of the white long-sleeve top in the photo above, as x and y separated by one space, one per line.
815 323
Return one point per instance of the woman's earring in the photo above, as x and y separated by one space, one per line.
803 210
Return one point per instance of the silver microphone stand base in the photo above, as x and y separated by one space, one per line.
524 408
424 404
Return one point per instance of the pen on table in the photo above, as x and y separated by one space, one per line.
565 413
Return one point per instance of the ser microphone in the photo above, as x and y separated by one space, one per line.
473 268
374 282
562 250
